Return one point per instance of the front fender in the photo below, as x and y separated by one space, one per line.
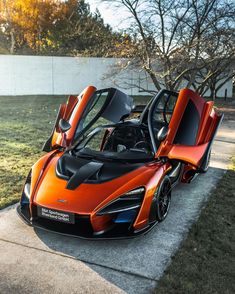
142 219
37 171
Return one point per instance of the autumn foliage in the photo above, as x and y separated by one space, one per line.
55 27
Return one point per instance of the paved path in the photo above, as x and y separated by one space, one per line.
34 261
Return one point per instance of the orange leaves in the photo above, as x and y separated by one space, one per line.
30 20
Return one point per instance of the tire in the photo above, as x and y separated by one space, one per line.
163 199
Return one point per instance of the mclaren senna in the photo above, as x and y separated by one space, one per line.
110 167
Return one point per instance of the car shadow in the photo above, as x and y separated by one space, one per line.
137 263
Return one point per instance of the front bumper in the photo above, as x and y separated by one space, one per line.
82 227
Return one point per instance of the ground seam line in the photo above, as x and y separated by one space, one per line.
79 259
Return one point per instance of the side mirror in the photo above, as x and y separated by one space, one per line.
162 133
64 125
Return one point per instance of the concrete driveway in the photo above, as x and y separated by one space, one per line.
35 261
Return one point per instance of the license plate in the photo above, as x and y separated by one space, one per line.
56 215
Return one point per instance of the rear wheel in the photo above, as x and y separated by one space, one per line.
163 199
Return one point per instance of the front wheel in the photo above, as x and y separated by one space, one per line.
163 199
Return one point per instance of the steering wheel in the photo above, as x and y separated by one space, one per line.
144 144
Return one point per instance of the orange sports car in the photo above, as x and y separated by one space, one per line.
110 167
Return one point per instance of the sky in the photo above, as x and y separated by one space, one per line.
115 16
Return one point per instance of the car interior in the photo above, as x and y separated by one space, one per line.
128 138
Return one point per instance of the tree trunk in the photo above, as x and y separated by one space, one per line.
213 92
12 48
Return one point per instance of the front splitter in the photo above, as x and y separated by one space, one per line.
117 232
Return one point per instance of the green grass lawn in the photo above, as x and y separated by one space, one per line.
205 262
25 123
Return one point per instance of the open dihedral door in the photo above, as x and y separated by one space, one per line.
82 112
70 112
191 130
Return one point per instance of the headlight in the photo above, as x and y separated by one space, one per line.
26 191
134 194
129 201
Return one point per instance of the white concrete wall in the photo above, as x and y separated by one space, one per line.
29 75
46 75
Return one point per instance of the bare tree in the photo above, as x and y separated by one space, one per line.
174 41
218 61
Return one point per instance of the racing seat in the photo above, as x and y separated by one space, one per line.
121 139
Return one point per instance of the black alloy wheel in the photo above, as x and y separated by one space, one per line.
163 199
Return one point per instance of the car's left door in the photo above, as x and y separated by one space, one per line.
70 112
83 111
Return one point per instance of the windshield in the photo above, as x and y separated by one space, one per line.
117 142
94 106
